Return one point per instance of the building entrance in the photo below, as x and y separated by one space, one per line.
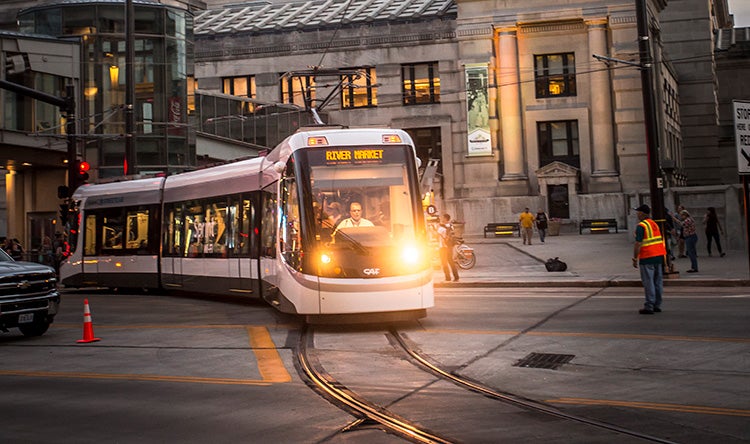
558 201
429 146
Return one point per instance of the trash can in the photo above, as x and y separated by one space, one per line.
553 228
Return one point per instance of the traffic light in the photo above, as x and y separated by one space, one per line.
63 192
64 213
83 171
80 174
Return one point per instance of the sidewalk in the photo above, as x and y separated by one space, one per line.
594 260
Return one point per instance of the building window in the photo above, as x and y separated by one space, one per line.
555 75
297 90
242 86
359 90
558 141
192 85
421 83
671 102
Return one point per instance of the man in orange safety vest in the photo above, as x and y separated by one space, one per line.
649 253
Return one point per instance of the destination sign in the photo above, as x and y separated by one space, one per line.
336 156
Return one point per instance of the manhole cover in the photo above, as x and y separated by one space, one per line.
544 360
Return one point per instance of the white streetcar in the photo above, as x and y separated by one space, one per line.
269 228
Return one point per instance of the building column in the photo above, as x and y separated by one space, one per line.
510 106
602 133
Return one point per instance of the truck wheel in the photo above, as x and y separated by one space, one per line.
36 328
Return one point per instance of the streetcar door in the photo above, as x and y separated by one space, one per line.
172 272
175 245
89 254
267 273
244 238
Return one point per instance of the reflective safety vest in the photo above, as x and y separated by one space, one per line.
652 244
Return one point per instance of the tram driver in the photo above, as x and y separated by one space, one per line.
355 218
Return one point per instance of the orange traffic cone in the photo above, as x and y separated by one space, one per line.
88 328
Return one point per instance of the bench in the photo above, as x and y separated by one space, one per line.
597 225
503 229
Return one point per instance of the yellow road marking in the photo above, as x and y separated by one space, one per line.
135 377
654 406
269 362
166 326
270 365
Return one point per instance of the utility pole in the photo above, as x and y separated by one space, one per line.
70 130
649 113
130 160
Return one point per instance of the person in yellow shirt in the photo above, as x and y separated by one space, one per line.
527 225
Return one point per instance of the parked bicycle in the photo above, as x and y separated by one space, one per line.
463 255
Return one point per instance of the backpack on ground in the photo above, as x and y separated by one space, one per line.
555 265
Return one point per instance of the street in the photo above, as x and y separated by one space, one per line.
192 369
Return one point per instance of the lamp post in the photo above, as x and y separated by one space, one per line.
130 159
649 113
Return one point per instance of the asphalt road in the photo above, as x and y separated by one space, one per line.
189 369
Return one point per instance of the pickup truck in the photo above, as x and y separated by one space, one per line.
29 298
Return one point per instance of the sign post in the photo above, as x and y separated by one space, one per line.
742 142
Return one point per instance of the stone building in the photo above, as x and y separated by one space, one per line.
524 106
511 99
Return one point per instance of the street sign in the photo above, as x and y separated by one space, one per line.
742 135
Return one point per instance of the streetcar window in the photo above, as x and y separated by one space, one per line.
89 236
112 230
195 229
137 224
245 234
289 224
268 225
215 227
175 230
381 190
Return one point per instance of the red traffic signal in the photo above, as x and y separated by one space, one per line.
83 171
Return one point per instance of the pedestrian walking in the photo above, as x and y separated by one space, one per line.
13 248
527 225
680 236
541 224
713 230
691 239
445 238
649 254
47 252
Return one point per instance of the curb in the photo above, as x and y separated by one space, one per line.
604 283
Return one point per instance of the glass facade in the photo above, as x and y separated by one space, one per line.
163 63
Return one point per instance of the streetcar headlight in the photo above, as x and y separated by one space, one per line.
325 258
410 254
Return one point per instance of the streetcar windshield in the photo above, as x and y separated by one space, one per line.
362 195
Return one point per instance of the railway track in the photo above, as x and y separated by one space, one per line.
368 412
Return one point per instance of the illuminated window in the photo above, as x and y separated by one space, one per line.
558 141
297 90
192 85
421 83
359 90
555 75
242 86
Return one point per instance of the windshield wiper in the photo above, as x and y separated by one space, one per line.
356 245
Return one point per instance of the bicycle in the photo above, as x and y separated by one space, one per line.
463 255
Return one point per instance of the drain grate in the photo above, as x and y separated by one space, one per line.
551 361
